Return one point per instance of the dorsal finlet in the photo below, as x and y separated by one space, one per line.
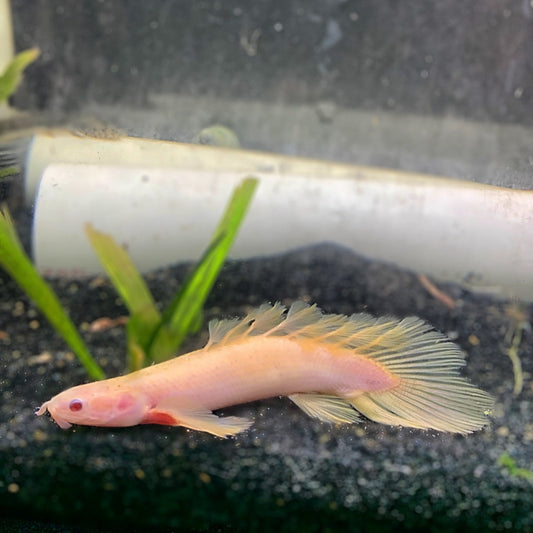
375 338
257 322
301 320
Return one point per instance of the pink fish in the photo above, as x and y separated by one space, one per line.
398 372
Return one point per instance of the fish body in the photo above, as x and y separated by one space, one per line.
333 367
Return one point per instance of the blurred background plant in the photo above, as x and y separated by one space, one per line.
507 462
10 79
12 75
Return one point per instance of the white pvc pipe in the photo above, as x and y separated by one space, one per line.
453 230
61 146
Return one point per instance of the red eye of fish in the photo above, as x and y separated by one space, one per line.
75 405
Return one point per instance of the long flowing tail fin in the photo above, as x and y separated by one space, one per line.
431 393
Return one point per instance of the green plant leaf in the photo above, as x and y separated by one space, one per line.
17 264
183 314
144 316
12 76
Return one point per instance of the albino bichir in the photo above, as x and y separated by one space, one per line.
398 372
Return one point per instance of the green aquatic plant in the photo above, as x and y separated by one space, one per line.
509 463
151 336
17 264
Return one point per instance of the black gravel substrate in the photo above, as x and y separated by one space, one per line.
289 472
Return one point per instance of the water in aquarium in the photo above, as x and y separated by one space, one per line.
266 266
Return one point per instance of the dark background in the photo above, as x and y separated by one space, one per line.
471 59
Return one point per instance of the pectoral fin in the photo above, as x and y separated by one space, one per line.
196 418
330 409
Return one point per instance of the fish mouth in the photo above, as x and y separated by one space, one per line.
41 410
63 424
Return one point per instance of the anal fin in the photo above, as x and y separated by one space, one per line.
221 426
332 409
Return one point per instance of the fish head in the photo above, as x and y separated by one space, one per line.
96 404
